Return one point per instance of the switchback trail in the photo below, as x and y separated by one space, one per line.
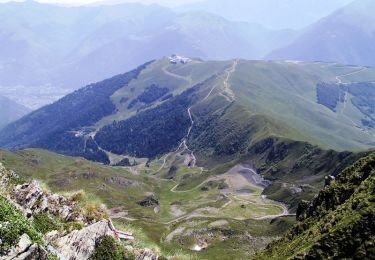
338 77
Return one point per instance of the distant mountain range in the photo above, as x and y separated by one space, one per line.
347 36
285 14
221 108
74 46
10 111
69 47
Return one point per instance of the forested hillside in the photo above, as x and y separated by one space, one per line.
219 109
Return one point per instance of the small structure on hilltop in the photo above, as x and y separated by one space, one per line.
174 59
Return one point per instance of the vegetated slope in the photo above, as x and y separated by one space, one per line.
143 134
10 111
338 223
221 109
296 169
51 126
346 37
127 195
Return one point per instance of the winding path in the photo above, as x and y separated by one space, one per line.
338 78
339 82
227 92
174 75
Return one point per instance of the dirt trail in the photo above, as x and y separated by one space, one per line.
227 90
174 75
338 78
346 99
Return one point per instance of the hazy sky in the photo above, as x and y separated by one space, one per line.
162 2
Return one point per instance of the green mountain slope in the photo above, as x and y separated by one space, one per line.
338 223
186 199
214 108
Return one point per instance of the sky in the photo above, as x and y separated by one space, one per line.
75 2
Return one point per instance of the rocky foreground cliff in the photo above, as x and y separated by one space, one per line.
37 224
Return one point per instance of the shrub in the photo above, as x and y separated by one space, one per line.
44 223
77 196
108 248
13 224
95 211
70 226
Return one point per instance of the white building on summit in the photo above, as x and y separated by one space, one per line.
174 59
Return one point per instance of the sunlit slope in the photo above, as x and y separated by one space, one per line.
219 108
287 91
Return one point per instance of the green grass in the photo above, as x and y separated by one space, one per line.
86 181
44 223
264 88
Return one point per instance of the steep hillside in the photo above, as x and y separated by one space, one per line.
338 223
10 111
346 37
216 109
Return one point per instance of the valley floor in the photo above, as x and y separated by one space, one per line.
167 204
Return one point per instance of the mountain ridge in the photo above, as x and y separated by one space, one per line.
344 37
10 111
231 94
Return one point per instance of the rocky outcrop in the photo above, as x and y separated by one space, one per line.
5 177
33 200
80 244
25 249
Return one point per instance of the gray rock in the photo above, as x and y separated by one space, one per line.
34 252
33 200
4 177
25 250
80 244
146 254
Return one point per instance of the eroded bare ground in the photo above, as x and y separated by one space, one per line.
190 213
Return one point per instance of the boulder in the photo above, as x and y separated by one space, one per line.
25 250
148 202
145 254
80 244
